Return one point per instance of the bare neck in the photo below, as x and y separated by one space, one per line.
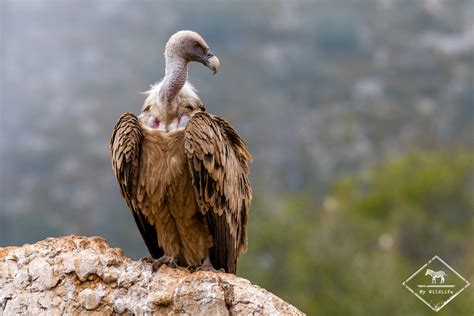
175 76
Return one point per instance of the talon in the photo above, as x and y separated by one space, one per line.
164 260
173 264
156 265
209 268
147 260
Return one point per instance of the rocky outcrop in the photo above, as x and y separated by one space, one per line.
70 275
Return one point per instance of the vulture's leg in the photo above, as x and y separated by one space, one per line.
207 266
169 261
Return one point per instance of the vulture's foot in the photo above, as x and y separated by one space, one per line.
208 267
190 269
149 260
169 261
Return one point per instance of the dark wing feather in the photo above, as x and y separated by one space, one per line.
125 146
218 163
148 232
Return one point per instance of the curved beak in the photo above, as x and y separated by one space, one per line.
212 62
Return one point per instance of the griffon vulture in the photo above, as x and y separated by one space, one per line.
182 171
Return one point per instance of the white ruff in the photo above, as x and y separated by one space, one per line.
187 91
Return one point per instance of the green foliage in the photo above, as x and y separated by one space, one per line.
350 254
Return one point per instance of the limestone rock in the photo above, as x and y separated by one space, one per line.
72 275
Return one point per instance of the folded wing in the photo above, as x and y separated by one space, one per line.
218 163
125 150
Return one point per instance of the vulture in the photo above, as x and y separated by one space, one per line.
182 171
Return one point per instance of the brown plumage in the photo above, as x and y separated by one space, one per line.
182 171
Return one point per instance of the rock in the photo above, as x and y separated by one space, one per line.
80 275
90 299
41 274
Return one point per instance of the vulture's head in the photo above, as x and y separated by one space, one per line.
190 46
172 102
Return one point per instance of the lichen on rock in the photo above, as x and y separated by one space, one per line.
71 274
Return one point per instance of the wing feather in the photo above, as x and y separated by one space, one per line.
125 149
218 163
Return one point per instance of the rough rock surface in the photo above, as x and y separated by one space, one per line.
71 275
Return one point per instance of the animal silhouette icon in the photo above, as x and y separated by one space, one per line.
435 275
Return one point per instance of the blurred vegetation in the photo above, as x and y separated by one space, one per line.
349 254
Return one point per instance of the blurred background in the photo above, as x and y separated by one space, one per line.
359 116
